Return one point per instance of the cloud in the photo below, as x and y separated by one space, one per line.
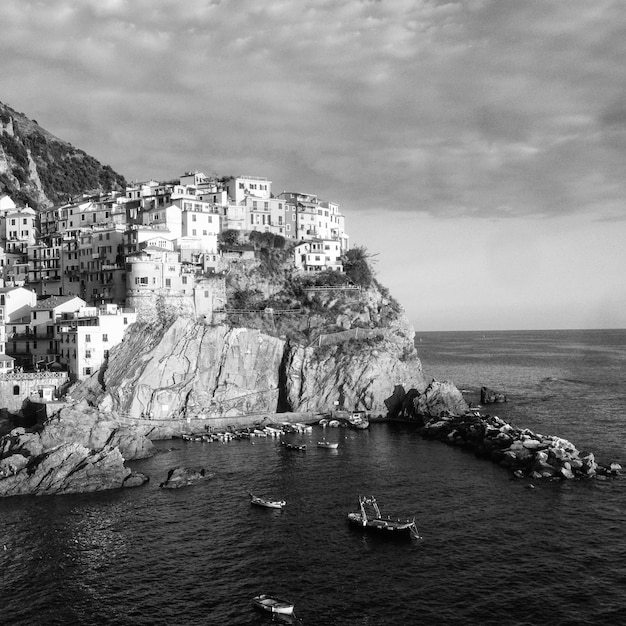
482 108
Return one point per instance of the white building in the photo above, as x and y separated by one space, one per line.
318 255
87 335
242 186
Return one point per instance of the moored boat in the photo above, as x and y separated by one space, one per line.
328 444
369 518
270 504
273 604
293 446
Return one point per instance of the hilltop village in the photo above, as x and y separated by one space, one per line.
77 275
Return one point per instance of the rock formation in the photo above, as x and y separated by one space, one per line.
66 468
84 425
179 477
489 396
191 370
439 398
525 453
75 451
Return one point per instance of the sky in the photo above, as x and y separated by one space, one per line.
477 148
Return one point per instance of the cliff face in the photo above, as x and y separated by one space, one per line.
39 169
193 370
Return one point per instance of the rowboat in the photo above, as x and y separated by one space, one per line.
273 604
328 444
270 504
369 518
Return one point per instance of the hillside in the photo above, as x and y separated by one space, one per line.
39 169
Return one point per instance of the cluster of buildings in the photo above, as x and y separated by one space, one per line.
71 274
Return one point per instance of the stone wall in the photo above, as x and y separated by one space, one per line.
16 387
153 305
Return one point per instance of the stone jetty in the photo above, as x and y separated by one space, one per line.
525 453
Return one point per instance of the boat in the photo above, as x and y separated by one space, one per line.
369 518
293 446
358 420
273 604
327 444
270 504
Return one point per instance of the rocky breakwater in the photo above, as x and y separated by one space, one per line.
73 452
525 453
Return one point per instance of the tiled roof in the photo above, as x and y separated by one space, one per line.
53 301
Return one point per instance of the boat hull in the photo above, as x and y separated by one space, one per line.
273 605
268 504
387 527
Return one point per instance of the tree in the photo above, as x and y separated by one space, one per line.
229 237
357 267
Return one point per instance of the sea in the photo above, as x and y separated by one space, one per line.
493 550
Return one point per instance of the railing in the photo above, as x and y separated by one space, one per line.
334 288
32 375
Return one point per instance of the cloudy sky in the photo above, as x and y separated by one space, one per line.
476 147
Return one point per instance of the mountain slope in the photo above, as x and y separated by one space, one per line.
39 169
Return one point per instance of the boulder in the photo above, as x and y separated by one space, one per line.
136 479
489 396
179 477
440 398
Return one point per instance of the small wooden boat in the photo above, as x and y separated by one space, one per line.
270 504
369 518
273 604
328 444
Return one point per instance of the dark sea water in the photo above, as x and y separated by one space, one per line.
494 551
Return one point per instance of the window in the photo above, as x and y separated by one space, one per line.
16 390
168 282
87 338
87 371
184 280
105 338
87 354
193 218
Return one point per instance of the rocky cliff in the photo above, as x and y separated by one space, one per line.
39 169
193 370
292 345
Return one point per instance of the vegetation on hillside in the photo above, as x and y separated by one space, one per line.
267 293
63 170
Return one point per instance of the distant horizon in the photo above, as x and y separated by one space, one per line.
521 330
